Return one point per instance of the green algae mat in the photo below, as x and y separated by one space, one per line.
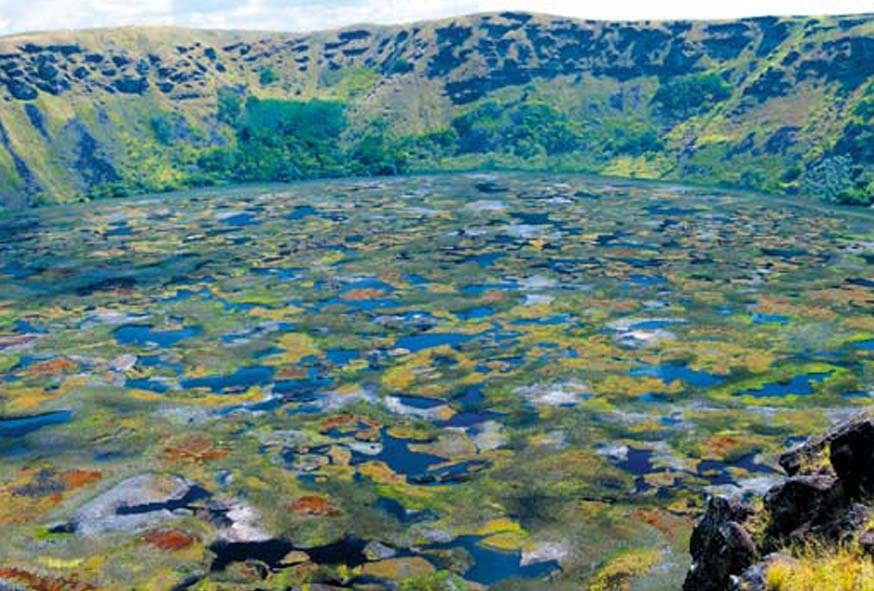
438 382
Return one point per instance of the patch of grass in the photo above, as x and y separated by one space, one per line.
841 569
618 573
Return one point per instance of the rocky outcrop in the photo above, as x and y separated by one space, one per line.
720 545
800 503
827 499
851 451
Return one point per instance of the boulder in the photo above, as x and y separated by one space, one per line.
800 500
845 525
720 546
810 457
803 458
851 451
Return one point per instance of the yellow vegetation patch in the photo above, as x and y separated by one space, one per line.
844 295
860 323
27 399
418 371
59 563
631 386
508 541
36 490
728 445
619 573
841 570
638 167
771 304
720 357
502 524
381 473
409 430
661 479
297 346
275 313
399 378
395 569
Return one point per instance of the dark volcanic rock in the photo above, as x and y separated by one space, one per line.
856 438
36 118
720 546
132 85
801 456
22 91
866 542
771 84
846 525
816 505
801 500
851 451
93 167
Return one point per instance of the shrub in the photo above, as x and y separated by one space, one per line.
857 196
527 130
541 125
431 146
792 174
282 140
829 178
635 139
691 95
377 155
162 128
229 105
267 77
857 141
479 131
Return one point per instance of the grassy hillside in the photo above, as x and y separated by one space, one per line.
783 105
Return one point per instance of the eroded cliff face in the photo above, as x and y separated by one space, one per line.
753 102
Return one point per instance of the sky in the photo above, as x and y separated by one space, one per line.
307 15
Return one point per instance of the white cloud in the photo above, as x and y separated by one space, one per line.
30 15
683 9
300 15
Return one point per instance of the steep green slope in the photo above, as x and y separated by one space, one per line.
783 105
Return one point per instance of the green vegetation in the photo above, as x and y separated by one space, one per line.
284 140
267 77
635 138
162 128
432 582
838 179
684 97
280 140
526 130
690 103
230 103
